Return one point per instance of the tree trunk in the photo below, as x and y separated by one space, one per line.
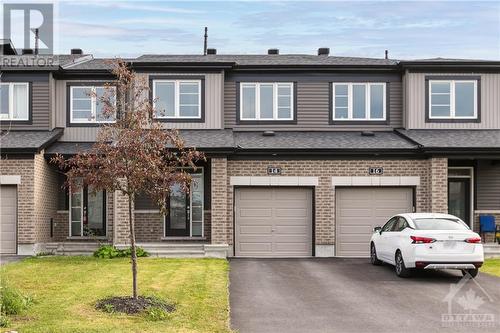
132 247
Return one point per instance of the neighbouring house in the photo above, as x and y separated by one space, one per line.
305 153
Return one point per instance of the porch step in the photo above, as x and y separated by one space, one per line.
174 250
72 248
491 250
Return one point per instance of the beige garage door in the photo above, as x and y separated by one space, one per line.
273 222
8 219
359 210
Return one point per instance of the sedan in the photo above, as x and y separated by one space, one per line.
426 241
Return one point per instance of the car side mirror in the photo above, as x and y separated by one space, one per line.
377 229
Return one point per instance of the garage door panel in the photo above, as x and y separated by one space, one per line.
280 226
8 219
255 212
359 210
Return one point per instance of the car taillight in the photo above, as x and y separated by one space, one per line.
422 240
473 240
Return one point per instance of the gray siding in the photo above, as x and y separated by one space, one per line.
40 102
415 102
213 108
488 185
313 109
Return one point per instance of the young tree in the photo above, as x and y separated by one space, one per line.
133 152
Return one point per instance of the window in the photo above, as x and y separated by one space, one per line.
177 99
439 224
359 101
453 99
86 106
388 226
400 225
87 213
14 101
266 101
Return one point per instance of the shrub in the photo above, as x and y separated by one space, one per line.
156 313
12 302
4 321
110 252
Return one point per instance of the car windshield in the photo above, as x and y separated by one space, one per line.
439 224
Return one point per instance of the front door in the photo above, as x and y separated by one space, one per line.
459 198
178 213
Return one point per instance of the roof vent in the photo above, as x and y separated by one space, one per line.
268 133
367 133
27 51
323 51
212 51
76 51
273 51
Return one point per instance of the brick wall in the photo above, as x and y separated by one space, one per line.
439 185
45 191
26 233
431 173
221 205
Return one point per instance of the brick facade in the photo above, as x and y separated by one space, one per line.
46 189
432 173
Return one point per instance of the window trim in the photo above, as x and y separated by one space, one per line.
84 191
69 104
456 78
166 78
258 119
11 106
367 120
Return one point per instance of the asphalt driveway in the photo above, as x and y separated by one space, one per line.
351 295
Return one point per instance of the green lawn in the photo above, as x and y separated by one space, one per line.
491 266
65 290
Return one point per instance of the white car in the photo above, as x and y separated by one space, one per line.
426 241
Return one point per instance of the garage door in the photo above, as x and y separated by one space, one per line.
273 222
359 210
8 219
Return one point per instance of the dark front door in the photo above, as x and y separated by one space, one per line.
459 198
177 219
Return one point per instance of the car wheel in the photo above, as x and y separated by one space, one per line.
373 256
471 272
401 269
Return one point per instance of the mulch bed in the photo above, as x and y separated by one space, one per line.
129 305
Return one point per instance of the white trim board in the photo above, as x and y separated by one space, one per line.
376 181
273 181
10 180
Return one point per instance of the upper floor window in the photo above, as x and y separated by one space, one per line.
453 99
266 101
14 101
177 99
359 101
86 106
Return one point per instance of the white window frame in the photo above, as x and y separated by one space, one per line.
93 106
177 94
452 99
368 86
256 86
11 101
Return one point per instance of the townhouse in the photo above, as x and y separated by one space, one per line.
305 153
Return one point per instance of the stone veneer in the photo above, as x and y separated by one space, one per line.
432 173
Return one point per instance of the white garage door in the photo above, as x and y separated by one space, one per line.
8 219
273 222
359 210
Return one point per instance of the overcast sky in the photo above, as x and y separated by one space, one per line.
409 29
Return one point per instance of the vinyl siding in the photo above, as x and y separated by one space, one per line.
488 185
213 107
415 102
313 104
40 103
